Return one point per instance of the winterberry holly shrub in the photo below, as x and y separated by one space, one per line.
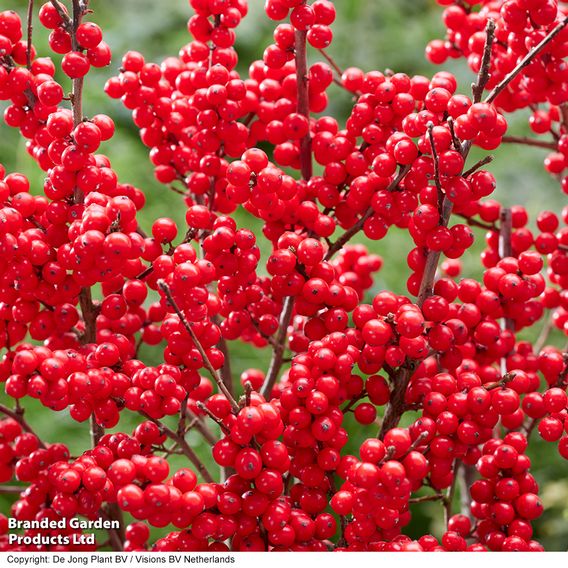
447 393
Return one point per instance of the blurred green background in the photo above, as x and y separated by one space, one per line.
376 34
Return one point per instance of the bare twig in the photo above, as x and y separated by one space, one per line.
477 165
30 26
184 447
206 362
62 14
18 416
527 141
332 62
484 71
499 88
280 344
303 101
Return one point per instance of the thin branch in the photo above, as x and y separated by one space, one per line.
184 446
449 498
278 351
527 141
332 62
475 223
213 417
505 250
30 26
499 88
206 362
18 416
483 162
484 71
303 101
11 489
544 334
62 14
433 257
426 498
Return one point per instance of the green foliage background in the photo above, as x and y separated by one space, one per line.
371 34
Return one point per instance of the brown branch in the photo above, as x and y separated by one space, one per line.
449 497
184 447
544 334
280 345
206 362
30 26
475 223
477 165
527 141
201 427
426 498
303 101
526 61
505 250
484 71
436 162
213 417
62 14
433 257
18 416
226 372
11 489
332 62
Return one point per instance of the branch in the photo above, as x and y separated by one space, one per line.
62 14
449 498
280 343
30 25
332 62
11 489
183 445
526 61
303 101
484 70
505 250
427 282
527 141
206 362
483 162
18 416
425 498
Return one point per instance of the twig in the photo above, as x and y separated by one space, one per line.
466 476
278 351
477 165
544 334
505 250
184 446
475 223
526 60
11 489
433 257
303 101
332 62
484 71
62 14
527 141
449 498
436 161
30 25
213 417
18 416
206 362
425 498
